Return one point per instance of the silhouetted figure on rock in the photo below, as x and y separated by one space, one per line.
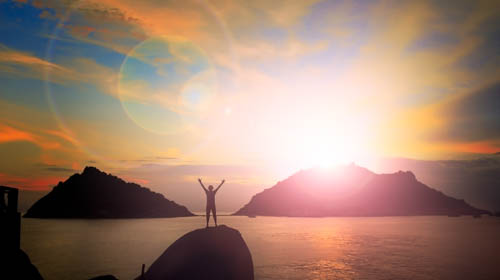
218 253
211 200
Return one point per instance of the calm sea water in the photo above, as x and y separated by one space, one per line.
282 248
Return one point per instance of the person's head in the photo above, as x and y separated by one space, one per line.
210 187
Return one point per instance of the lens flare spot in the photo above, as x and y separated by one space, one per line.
166 84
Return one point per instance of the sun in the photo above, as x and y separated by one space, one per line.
324 151
324 145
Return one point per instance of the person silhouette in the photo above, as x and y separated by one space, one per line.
211 200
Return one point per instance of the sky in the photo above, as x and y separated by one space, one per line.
163 92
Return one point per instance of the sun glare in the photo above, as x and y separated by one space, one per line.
320 152
325 146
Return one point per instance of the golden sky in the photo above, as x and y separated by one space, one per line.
247 90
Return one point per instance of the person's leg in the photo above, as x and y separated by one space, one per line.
208 215
214 211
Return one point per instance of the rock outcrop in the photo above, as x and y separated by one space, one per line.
95 194
104 277
353 191
17 265
209 253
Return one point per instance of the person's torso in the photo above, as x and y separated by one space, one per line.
210 197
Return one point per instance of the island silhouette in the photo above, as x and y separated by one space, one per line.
353 191
96 194
348 190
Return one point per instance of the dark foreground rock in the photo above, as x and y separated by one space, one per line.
104 277
17 265
211 253
95 194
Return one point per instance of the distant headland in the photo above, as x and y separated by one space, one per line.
95 194
353 191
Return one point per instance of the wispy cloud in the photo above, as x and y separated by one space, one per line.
74 72
11 134
23 64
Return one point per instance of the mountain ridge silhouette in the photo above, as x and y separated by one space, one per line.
96 194
353 191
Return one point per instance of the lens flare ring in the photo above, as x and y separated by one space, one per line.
188 96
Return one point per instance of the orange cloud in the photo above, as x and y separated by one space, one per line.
481 147
63 135
134 180
23 64
12 56
36 183
9 134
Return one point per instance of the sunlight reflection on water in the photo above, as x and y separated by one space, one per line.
282 248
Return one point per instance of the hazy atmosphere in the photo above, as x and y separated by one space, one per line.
161 93
249 140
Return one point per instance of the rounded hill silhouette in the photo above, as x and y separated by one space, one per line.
209 253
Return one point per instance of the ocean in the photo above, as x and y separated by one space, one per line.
431 247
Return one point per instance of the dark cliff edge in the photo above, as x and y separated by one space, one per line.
95 194
14 262
209 253
353 191
17 265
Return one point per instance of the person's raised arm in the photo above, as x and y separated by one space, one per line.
199 180
220 185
